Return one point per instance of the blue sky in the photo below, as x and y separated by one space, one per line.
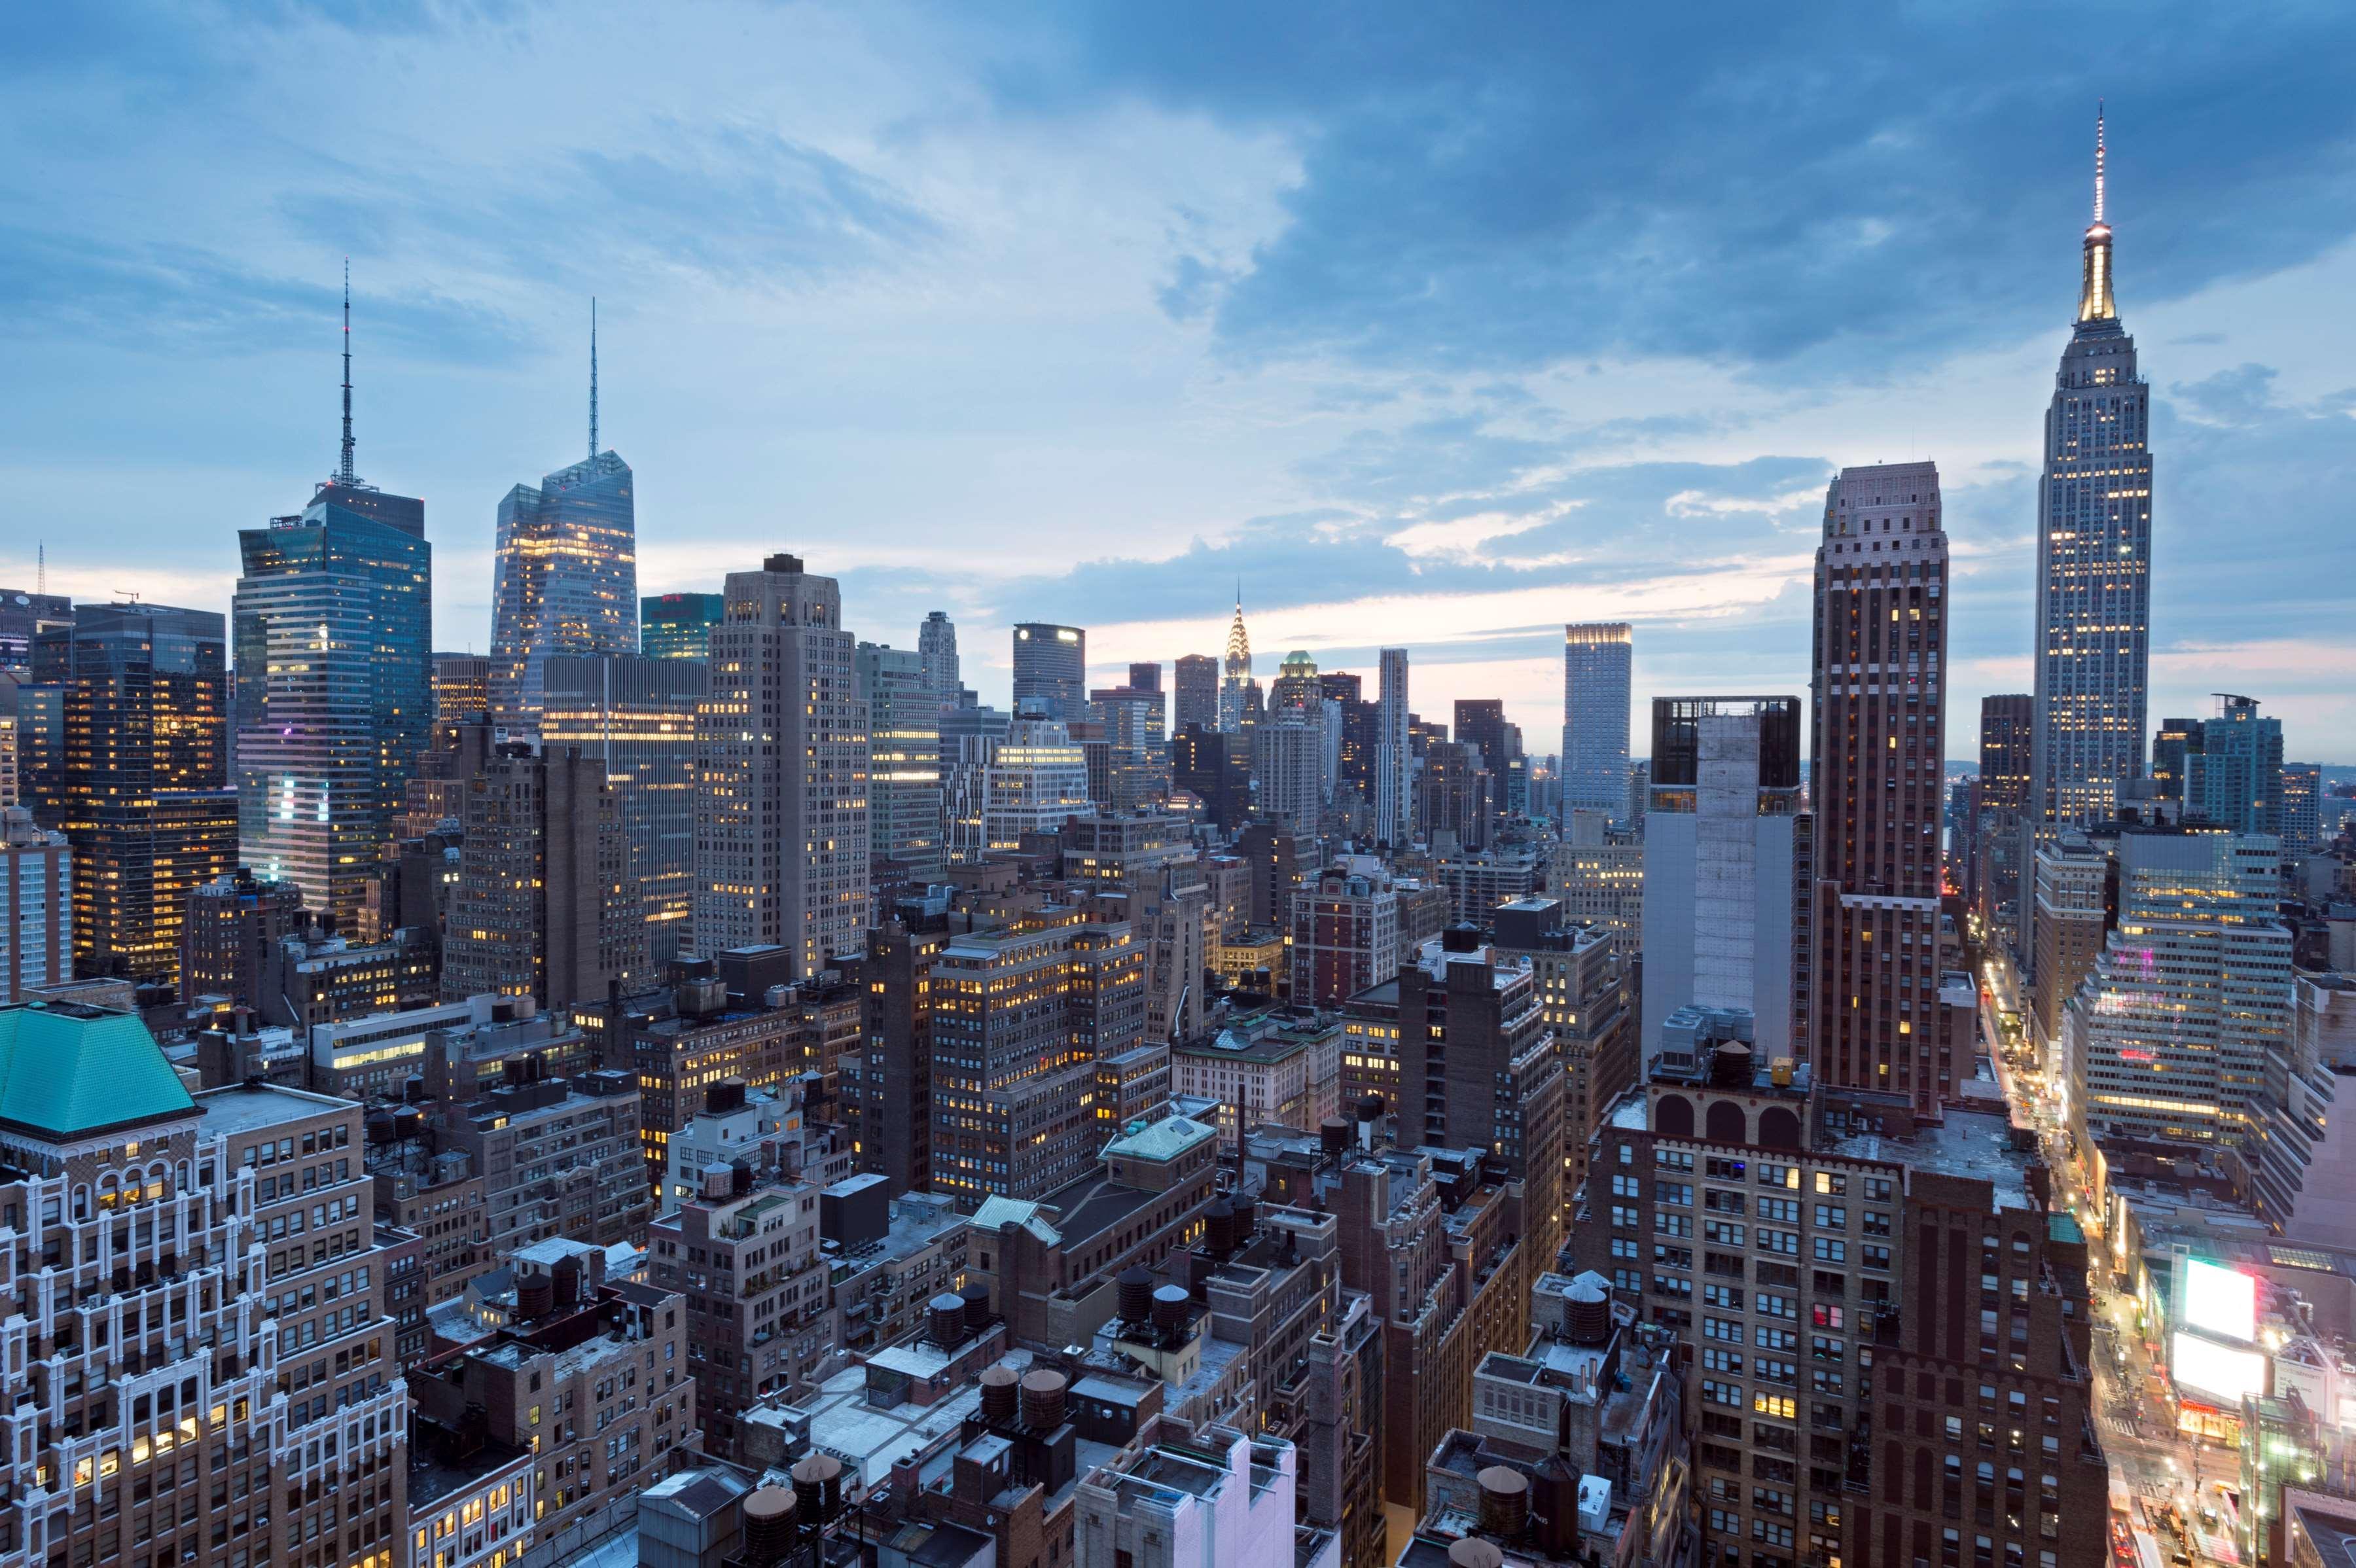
1437 326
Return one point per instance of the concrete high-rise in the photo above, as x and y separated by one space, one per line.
332 629
904 768
1877 785
1051 670
143 798
679 626
637 716
2235 778
2093 557
1726 874
1394 753
1597 670
544 905
1194 692
1235 686
936 647
564 580
781 836
1287 751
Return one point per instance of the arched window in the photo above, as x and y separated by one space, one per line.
1779 1128
1726 1123
1673 1116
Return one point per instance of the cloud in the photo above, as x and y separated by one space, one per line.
1501 187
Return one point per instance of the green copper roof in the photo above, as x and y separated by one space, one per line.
67 1069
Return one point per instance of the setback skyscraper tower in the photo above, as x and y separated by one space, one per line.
1877 785
565 577
1596 669
2093 557
1236 673
936 645
781 834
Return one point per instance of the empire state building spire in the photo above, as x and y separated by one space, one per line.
2095 301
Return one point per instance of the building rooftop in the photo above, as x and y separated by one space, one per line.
68 1069
433 1476
1973 1145
249 1108
1163 1139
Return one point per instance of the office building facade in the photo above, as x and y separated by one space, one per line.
332 629
635 717
545 906
2235 778
1393 755
1877 785
140 792
36 905
1051 670
904 768
679 626
1194 692
564 580
936 646
781 834
1598 661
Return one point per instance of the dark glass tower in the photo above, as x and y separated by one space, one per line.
679 626
1051 668
140 788
332 626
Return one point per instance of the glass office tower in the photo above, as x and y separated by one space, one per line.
564 580
332 626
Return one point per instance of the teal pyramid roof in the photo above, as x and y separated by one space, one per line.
66 1070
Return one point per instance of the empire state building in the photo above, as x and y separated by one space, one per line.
2093 558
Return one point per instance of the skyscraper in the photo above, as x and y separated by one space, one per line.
679 626
144 798
904 772
462 688
2235 778
564 580
1195 681
1288 750
1393 755
1235 672
544 905
2093 557
1051 670
2167 1038
1877 785
781 836
936 646
1596 671
2176 742
22 617
1726 874
36 906
332 623
332 629
2301 825
636 716
1999 861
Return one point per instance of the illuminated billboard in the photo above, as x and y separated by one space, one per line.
2221 1302
2216 1372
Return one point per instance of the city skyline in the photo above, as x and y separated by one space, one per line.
1384 466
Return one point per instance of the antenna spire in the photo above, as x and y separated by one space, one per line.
41 567
2098 160
593 375
344 469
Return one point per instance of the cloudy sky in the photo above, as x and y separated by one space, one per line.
1434 326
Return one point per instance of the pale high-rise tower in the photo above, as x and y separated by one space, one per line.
2093 558
1597 659
781 760
1394 756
